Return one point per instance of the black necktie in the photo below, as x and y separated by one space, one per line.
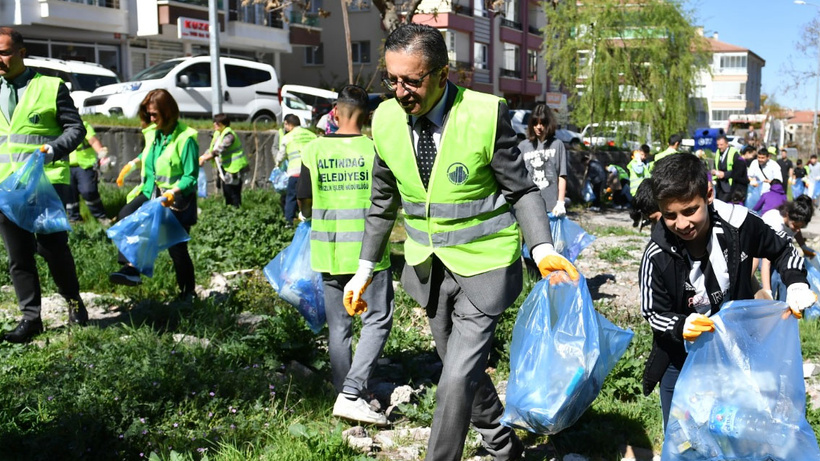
425 150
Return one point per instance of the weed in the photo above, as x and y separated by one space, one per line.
614 254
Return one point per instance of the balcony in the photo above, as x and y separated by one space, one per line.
256 27
96 15
299 18
535 30
512 24
509 73
203 3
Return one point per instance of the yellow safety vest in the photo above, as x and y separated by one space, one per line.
233 158
168 165
85 156
462 217
340 170
33 124
294 141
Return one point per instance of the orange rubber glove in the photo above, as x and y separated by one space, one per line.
355 288
169 199
695 325
353 302
550 260
124 173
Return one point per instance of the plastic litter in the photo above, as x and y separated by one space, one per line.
141 235
29 200
291 276
562 350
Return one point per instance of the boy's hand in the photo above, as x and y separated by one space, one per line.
695 325
799 297
550 260
355 288
808 252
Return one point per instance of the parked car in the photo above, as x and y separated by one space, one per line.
306 102
571 138
623 135
520 119
736 141
250 89
81 78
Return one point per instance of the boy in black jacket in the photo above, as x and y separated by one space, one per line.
697 259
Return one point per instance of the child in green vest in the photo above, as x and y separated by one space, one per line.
334 190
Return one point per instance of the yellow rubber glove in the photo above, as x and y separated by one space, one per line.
695 325
550 261
169 199
124 173
799 297
355 288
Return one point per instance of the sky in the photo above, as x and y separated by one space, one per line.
771 29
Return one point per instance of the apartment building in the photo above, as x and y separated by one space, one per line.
731 85
492 51
129 35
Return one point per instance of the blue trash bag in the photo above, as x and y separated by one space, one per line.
202 183
740 395
568 238
29 200
279 178
813 276
752 196
562 350
296 283
141 235
798 188
587 192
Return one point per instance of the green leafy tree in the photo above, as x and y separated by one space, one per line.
637 61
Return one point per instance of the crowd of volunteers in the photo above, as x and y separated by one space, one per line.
468 188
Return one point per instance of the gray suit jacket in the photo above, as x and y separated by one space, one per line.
491 292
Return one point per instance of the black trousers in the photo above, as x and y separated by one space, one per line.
84 183
233 194
21 246
183 266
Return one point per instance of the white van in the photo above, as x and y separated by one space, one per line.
624 135
81 78
306 102
249 89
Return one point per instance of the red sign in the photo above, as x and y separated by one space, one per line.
193 29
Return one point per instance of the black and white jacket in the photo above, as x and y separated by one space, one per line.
665 271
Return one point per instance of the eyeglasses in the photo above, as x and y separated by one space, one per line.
153 114
409 84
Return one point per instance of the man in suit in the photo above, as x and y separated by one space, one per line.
458 188
730 172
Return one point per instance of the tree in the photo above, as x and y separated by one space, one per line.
637 61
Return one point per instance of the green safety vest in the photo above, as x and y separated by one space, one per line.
668 151
168 165
635 178
622 174
149 133
730 160
340 170
233 158
294 141
33 124
462 217
85 156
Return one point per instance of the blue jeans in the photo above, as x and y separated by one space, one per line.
290 200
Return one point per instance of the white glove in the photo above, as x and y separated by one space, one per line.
559 210
302 217
695 325
799 297
354 289
48 153
102 153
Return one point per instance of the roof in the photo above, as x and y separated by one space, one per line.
802 117
716 46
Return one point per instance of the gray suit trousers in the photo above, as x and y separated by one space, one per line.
351 371
465 394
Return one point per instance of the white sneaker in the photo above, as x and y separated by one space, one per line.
357 410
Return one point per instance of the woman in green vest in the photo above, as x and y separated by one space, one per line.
169 170
230 161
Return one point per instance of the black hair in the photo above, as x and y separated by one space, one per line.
222 119
420 38
799 162
723 137
776 181
763 151
646 149
800 209
292 120
352 99
674 139
542 113
16 37
643 203
748 149
679 177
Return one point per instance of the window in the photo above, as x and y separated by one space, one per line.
511 61
733 62
480 58
718 115
315 55
511 10
532 64
360 52
240 76
199 75
358 5
479 10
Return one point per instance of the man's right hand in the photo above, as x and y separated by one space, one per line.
695 325
355 288
124 173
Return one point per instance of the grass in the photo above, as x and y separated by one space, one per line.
169 381
614 254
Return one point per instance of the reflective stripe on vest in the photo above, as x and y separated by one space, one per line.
233 158
33 124
461 217
340 179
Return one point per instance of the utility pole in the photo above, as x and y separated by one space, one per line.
817 88
216 77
